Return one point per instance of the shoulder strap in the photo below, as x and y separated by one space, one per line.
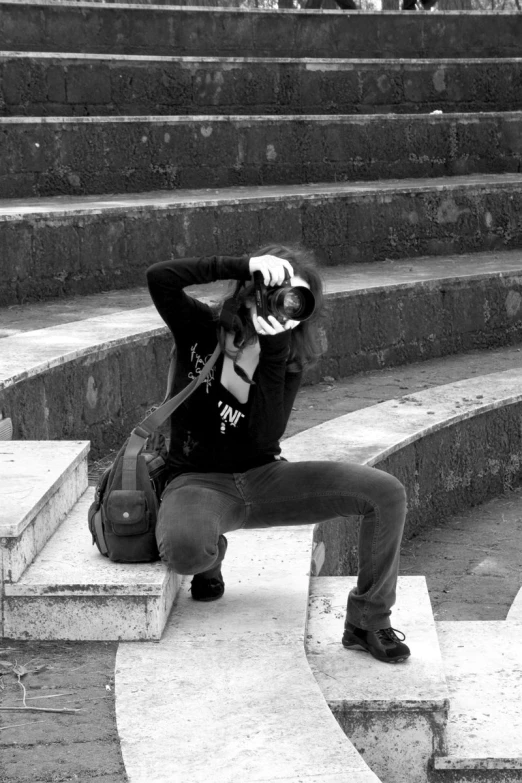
140 434
171 374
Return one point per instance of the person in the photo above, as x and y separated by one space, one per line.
225 469
350 5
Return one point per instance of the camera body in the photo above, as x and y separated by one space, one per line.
285 302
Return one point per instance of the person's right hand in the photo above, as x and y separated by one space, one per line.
273 269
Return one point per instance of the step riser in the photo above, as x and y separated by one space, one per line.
476 776
397 747
60 86
116 385
55 158
256 34
94 618
348 226
18 553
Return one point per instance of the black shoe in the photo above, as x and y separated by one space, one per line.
383 644
205 589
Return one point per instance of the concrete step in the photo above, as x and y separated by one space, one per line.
50 84
84 244
483 665
89 155
171 30
394 715
70 591
239 694
41 481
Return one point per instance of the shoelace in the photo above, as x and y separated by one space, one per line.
390 634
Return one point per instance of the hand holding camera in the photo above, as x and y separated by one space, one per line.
273 269
279 305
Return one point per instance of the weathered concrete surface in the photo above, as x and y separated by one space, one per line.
397 721
71 591
483 664
80 244
87 155
103 395
79 27
233 676
34 500
87 84
96 378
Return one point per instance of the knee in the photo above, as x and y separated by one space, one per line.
187 557
387 493
393 492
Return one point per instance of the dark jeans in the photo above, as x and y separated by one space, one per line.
346 5
198 507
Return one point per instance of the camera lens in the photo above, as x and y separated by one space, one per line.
295 303
291 303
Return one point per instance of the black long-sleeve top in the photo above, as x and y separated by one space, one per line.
212 431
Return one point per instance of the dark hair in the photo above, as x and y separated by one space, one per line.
305 347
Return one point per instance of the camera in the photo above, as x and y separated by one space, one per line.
285 302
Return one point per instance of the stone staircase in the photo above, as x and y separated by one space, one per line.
130 134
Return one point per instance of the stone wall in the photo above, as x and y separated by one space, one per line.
450 470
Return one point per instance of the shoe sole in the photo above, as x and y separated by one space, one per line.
207 600
359 646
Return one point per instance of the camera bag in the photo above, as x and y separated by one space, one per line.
122 518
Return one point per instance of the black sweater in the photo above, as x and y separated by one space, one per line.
212 431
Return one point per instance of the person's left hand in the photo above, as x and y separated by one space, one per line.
271 326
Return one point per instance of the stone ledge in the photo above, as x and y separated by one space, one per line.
255 32
71 592
85 244
31 472
40 483
40 83
215 151
452 447
88 368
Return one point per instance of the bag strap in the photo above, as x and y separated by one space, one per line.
170 376
141 433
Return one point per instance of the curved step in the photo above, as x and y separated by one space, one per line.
452 446
49 84
83 244
239 694
76 27
222 151
457 304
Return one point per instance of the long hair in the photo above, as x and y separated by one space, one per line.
305 347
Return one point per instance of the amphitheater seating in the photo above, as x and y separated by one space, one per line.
136 133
